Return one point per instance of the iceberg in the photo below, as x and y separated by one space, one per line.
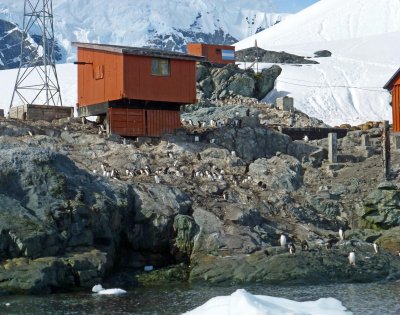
242 302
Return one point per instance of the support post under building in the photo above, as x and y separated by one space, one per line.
332 150
385 140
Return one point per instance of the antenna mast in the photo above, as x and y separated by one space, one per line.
37 80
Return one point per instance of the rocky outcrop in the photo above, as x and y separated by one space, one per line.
179 38
382 207
278 172
221 199
271 266
251 54
230 81
322 53
10 41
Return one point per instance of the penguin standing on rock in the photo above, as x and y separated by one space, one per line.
352 258
376 248
304 246
282 240
341 234
292 248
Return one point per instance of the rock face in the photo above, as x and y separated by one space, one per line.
273 267
382 207
218 204
283 172
10 41
230 81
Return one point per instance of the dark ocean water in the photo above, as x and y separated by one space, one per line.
361 299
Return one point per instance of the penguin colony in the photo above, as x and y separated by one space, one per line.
212 173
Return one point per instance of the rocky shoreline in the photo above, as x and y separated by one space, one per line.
205 205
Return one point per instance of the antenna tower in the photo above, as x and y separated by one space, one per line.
37 81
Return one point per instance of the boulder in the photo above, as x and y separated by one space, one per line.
382 207
265 81
283 172
322 53
230 81
390 240
240 84
53 274
202 72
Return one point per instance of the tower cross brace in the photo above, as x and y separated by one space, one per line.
37 80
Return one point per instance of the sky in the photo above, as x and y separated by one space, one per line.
292 6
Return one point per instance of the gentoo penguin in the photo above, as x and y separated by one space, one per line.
376 248
292 248
352 258
225 195
157 179
341 234
304 245
306 139
398 253
282 240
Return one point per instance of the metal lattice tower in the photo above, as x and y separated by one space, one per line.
37 81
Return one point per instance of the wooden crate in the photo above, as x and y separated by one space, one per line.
40 112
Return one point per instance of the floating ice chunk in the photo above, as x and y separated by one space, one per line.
242 302
100 290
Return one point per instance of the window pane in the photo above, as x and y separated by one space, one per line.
164 67
160 67
154 66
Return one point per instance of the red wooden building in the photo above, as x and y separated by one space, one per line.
218 54
136 91
394 87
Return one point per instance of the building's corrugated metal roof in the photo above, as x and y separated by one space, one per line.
139 51
388 85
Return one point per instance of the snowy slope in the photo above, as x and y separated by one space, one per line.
364 37
165 24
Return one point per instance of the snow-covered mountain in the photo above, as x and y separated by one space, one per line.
364 38
10 46
156 23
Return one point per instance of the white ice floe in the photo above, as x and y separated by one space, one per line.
241 302
100 290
